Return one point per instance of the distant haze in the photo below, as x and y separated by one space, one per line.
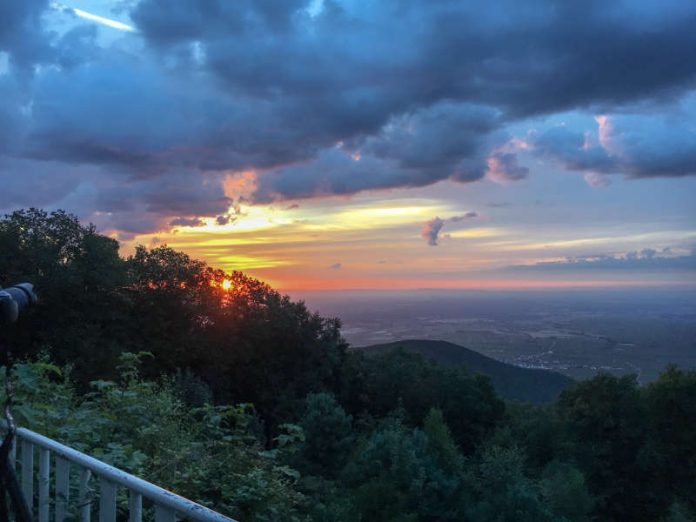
576 332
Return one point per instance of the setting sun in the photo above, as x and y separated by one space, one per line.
226 284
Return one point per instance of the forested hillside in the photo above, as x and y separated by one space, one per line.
510 382
219 387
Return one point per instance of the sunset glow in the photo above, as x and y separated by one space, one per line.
412 161
374 241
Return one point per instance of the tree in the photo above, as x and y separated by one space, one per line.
248 342
537 430
396 474
377 384
671 416
605 419
169 292
678 513
441 442
81 317
565 492
328 436
503 492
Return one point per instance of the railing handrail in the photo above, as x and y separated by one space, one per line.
156 494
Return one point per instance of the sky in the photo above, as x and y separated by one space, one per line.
342 144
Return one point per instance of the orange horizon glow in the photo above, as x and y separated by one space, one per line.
409 284
374 242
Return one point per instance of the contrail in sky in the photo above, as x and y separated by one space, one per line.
115 24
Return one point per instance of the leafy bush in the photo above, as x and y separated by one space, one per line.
211 454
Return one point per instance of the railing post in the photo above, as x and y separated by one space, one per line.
44 485
28 473
135 506
107 501
85 496
62 488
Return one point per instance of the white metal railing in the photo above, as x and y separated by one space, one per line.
168 506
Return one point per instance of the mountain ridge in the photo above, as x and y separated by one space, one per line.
510 382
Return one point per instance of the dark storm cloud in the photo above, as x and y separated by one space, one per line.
130 224
187 222
350 97
192 19
128 114
77 47
11 119
416 149
22 34
437 142
503 166
528 58
569 147
181 194
637 146
171 197
26 184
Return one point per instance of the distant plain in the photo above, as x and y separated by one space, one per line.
574 332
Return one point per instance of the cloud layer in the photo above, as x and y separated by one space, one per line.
138 130
646 259
432 228
636 146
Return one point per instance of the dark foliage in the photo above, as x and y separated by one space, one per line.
510 382
374 385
